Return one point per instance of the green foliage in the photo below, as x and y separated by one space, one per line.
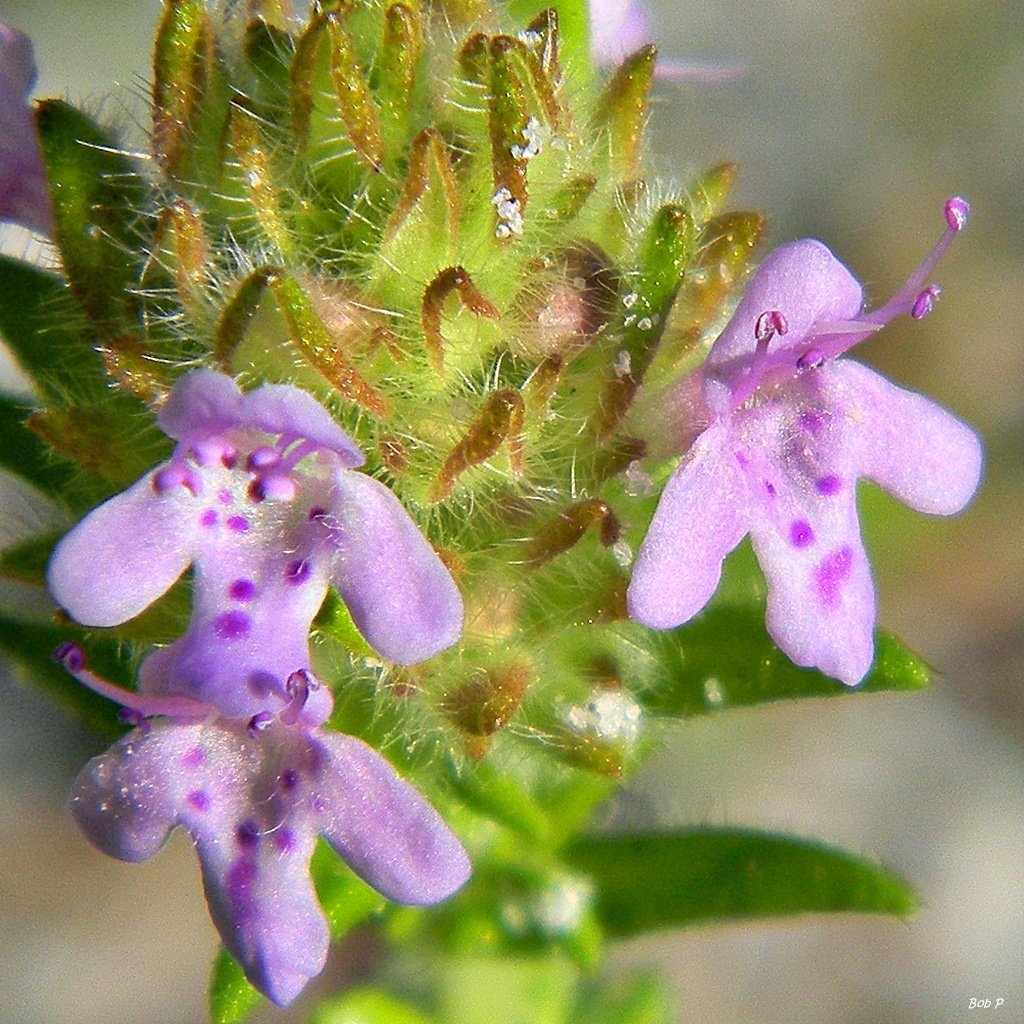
231 997
645 882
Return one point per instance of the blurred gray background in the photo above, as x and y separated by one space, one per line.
855 119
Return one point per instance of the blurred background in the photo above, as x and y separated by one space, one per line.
853 122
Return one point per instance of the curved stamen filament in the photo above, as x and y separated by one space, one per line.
72 658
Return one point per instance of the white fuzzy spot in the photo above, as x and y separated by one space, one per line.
510 218
610 715
623 364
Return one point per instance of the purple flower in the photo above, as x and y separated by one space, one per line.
253 799
260 496
24 195
620 27
791 428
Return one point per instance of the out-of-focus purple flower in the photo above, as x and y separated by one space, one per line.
261 497
24 195
620 27
254 797
791 428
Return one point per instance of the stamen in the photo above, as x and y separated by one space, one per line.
72 658
812 359
907 298
177 474
213 450
924 301
276 486
299 685
136 719
957 211
767 325
262 458
260 722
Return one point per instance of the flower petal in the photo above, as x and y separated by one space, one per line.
803 281
386 831
908 444
24 192
401 597
201 402
124 555
283 409
699 520
803 524
248 804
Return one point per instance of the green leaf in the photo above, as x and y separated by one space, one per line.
671 879
345 898
231 997
368 1006
96 192
725 659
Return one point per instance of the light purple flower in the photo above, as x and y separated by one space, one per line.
254 798
24 195
262 498
791 428
620 27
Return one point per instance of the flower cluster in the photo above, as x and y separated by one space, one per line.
261 496
789 428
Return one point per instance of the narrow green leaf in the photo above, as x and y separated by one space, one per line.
726 659
623 111
97 192
231 996
670 879
666 252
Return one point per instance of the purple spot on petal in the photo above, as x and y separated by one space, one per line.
801 533
289 779
238 523
770 488
284 840
831 573
193 758
742 460
297 572
262 684
239 883
209 517
225 497
316 512
199 800
829 484
248 834
242 590
232 625
812 421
